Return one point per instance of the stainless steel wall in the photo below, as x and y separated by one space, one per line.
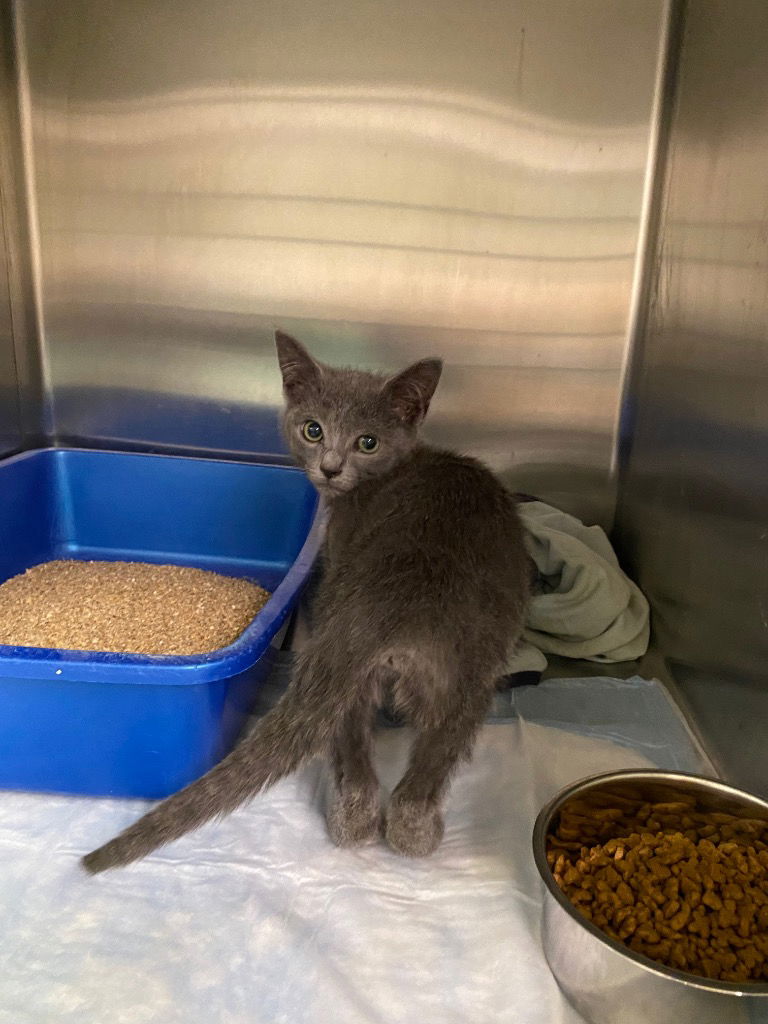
10 432
10 426
694 510
24 407
386 180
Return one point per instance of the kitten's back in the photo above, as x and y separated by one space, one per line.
433 551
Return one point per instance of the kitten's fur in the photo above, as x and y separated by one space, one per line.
422 598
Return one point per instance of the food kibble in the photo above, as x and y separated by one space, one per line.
126 607
686 887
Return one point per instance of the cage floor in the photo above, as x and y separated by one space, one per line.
259 919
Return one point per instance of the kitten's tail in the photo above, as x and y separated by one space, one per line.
297 729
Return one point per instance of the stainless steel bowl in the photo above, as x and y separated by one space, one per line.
603 979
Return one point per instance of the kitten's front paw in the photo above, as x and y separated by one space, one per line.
413 829
354 817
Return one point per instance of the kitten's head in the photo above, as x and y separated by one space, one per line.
346 426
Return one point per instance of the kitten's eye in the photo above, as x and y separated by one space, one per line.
312 431
368 443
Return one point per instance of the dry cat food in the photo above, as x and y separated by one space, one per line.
685 887
128 607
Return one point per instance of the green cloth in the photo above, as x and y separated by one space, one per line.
583 605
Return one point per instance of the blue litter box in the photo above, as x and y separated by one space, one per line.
124 724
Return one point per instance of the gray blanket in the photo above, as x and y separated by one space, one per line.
584 606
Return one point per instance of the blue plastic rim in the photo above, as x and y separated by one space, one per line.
135 725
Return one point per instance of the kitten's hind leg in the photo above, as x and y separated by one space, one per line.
354 816
414 822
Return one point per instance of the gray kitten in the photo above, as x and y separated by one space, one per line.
422 598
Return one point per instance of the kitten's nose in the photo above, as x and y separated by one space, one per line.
330 464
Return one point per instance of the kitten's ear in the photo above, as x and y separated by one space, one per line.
410 391
300 371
